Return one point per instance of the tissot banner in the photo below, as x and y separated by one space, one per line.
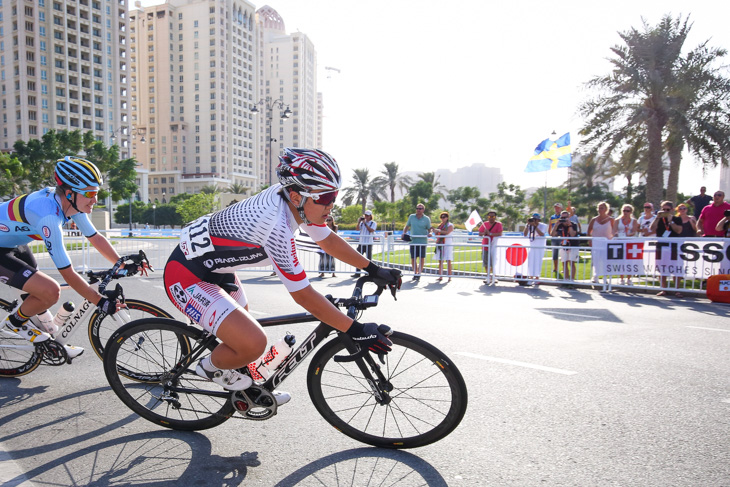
691 257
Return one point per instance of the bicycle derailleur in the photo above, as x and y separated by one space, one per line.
254 403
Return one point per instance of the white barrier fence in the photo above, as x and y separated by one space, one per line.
639 263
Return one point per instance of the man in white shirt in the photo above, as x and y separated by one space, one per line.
367 227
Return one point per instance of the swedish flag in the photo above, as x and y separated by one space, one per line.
551 155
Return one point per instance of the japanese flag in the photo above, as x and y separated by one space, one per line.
473 220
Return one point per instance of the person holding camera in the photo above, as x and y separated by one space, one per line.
723 225
367 227
536 231
569 252
711 216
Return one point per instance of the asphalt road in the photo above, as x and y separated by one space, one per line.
566 388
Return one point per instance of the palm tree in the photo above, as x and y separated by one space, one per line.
390 180
236 188
698 113
632 162
587 171
432 179
209 189
361 190
636 94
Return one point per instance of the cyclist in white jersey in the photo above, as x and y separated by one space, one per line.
200 275
40 216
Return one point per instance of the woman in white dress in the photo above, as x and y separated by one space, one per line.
444 245
600 226
626 226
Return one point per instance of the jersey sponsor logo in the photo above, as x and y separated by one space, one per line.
27 273
210 263
177 292
201 298
193 313
212 319
46 232
294 257
22 228
49 246
4 228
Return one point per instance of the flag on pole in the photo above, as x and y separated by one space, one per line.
473 220
551 155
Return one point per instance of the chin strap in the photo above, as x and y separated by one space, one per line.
73 202
299 208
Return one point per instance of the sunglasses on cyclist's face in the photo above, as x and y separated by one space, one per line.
323 199
88 194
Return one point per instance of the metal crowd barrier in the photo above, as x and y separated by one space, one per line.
686 263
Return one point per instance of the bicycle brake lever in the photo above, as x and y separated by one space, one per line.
351 358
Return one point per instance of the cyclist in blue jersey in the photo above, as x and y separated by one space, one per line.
40 216
200 274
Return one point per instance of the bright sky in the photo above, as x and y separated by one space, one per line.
434 85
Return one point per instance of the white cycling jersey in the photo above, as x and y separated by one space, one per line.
39 216
253 233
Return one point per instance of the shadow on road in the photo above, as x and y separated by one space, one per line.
366 466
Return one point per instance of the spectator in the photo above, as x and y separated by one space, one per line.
646 219
444 245
600 226
569 252
663 228
326 261
625 227
574 217
558 207
489 230
699 202
536 231
367 227
711 215
420 227
724 225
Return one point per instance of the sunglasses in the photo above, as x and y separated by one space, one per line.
420 208
444 216
682 209
718 195
649 207
87 194
666 209
627 211
323 199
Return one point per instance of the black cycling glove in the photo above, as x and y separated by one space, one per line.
131 269
107 306
371 336
384 276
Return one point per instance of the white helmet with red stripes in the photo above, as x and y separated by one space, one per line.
309 169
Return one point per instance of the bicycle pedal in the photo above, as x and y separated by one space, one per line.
254 403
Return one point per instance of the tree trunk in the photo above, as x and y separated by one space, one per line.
675 147
654 170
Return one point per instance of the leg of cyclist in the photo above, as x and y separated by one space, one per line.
18 269
224 315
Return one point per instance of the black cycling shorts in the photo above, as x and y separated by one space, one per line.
17 265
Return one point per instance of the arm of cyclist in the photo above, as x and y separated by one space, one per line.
336 246
86 291
367 335
105 248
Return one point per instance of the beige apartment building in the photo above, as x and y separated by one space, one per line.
64 66
174 85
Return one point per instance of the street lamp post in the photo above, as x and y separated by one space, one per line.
134 132
154 216
269 104
131 198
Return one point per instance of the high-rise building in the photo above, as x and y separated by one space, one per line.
289 79
193 83
64 66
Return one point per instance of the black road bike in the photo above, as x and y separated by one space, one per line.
411 397
19 356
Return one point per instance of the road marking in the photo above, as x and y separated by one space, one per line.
519 364
550 312
713 329
10 470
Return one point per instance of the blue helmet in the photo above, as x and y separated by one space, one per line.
77 173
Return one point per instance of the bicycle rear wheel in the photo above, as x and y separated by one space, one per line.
18 356
424 394
102 326
140 361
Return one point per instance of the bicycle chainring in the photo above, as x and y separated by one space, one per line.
52 352
254 403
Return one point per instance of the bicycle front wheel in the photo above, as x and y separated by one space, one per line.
423 397
18 356
141 361
102 326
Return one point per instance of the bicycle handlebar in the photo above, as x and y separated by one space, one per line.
106 276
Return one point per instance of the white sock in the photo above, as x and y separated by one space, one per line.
207 364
